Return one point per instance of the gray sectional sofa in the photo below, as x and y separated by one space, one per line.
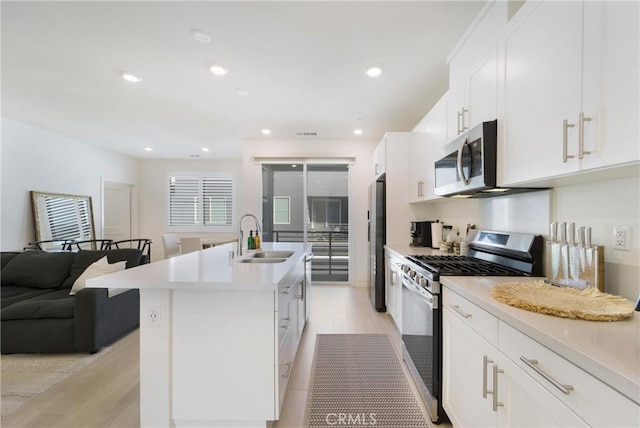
39 316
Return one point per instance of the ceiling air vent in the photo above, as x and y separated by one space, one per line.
306 134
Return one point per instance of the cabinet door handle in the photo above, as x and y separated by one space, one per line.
496 403
286 326
581 121
565 389
565 137
458 310
286 375
459 120
462 112
485 362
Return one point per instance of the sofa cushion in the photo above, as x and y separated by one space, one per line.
12 294
55 304
101 267
84 258
5 257
38 269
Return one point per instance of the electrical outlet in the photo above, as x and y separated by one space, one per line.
153 317
622 238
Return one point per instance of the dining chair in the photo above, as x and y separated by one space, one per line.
89 244
189 245
171 245
142 244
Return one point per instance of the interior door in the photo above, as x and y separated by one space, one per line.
117 211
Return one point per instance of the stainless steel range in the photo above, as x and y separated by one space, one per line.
490 253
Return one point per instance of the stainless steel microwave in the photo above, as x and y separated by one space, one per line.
470 164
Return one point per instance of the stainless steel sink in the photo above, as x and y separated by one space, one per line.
273 255
262 260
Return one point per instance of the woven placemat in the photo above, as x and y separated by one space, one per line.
587 304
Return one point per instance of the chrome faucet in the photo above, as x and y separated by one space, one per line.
240 238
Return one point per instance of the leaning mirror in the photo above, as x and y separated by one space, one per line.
61 217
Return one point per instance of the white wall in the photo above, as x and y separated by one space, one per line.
361 150
36 159
153 202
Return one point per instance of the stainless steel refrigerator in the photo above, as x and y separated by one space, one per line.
377 238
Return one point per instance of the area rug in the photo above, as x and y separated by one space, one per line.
357 380
24 376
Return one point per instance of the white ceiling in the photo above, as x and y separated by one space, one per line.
303 64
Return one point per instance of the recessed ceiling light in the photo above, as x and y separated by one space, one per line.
242 92
294 165
266 131
374 71
357 131
200 36
219 70
131 78
205 149
148 149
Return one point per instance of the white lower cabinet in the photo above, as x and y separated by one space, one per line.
481 385
464 376
290 323
393 288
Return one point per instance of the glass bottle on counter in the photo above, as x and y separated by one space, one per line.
257 241
251 242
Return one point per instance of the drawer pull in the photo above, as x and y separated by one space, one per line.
485 362
496 403
458 310
288 290
566 389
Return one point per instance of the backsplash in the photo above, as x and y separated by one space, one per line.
600 205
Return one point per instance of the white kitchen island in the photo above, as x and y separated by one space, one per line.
217 336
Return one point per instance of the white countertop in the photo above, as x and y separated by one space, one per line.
610 351
210 269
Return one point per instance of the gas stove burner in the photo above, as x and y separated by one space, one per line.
462 266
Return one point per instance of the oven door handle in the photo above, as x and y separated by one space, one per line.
429 300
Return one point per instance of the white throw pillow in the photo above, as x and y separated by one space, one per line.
99 268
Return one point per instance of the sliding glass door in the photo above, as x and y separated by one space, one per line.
309 202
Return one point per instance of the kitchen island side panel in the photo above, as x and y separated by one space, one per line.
223 356
155 359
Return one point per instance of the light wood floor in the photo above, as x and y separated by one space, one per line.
106 393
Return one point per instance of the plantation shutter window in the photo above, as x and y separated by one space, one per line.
218 197
200 200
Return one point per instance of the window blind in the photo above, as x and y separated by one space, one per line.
200 201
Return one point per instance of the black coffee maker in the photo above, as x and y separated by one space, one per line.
421 233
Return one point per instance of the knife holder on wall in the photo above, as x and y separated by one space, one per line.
591 276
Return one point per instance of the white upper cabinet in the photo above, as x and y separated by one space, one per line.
473 81
379 159
611 83
424 149
476 101
570 89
